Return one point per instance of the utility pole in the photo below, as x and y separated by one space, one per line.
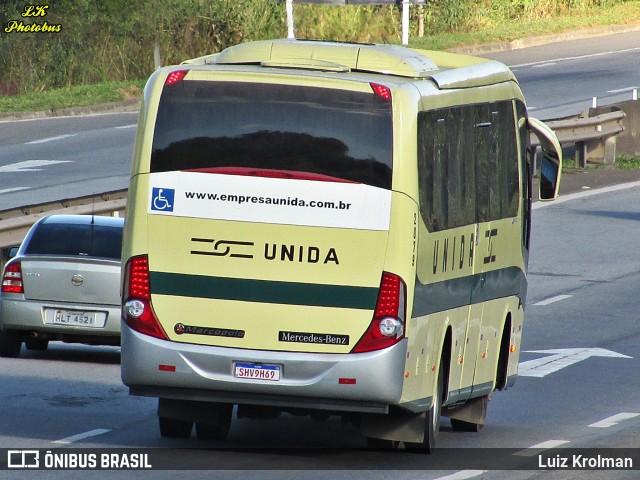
405 22
290 32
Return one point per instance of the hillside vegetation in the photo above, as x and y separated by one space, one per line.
81 42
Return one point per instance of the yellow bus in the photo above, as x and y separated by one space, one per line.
329 229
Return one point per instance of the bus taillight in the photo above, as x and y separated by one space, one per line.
381 90
137 311
388 324
175 77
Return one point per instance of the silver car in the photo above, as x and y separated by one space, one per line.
63 284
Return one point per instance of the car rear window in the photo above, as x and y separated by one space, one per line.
212 124
76 240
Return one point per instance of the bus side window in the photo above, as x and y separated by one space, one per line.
467 165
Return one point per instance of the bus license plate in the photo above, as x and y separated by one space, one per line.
257 372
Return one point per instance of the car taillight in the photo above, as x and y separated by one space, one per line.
388 324
12 278
137 311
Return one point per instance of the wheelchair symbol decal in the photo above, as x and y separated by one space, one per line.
162 199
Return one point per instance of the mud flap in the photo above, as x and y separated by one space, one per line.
473 411
398 425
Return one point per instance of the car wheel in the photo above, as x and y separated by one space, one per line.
220 430
35 344
174 427
10 343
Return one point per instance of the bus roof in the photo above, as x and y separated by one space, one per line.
447 70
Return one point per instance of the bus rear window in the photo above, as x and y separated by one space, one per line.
328 132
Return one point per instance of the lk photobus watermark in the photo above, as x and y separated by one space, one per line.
31 20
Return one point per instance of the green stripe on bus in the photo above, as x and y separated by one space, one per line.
263 291
469 290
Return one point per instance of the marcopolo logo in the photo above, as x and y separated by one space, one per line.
162 199
181 329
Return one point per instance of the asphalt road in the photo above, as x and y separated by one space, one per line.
64 157
560 79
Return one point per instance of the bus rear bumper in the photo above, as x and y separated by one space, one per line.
363 382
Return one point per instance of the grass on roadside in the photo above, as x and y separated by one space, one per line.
77 96
623 162
627 162
627 13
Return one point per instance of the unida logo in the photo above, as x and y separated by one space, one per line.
181 329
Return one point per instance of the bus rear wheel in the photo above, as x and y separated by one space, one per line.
432 423
219 430
175 427
381 444
462 426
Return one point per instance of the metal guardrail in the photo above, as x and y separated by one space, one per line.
594 137
15 223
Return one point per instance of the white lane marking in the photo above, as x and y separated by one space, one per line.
555 299
462 475
133 125
614 420
622 90
561 358
14 189
578 57
82 436
588 193
29 165
543 65
534 450
51 139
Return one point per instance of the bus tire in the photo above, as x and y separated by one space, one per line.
174 427
220 430
502 372
432 424
381 444
462 426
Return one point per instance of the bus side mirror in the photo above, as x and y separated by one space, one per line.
551 165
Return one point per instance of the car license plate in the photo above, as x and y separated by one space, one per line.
75 318
256 371
72 317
